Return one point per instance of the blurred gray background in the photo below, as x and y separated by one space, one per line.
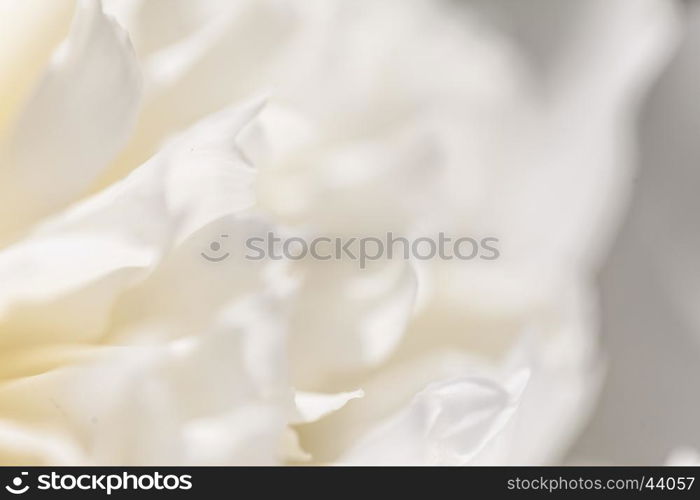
650 285
651 400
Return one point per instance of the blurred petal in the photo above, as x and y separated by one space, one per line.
76 121
166 403
31 30
224 57
560 349
446 423
581 155
344 319
651 282
314 406
23 445
59 285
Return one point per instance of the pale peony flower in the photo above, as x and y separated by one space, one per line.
119 344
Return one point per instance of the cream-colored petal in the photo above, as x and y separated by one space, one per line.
561 351
560 213
31 30
225 57
313 406
60 284
77 119
215 397
447 423
344 319
30 446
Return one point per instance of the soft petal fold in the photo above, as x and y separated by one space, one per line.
78 118
312 406
446 423
31 30
219 396
344 319
75 265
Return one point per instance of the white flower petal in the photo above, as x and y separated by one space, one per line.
446 423
31 30
74 266
77 120
345 319
208 399
561 352
250 435
559 215
20 444
224 58
313 406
